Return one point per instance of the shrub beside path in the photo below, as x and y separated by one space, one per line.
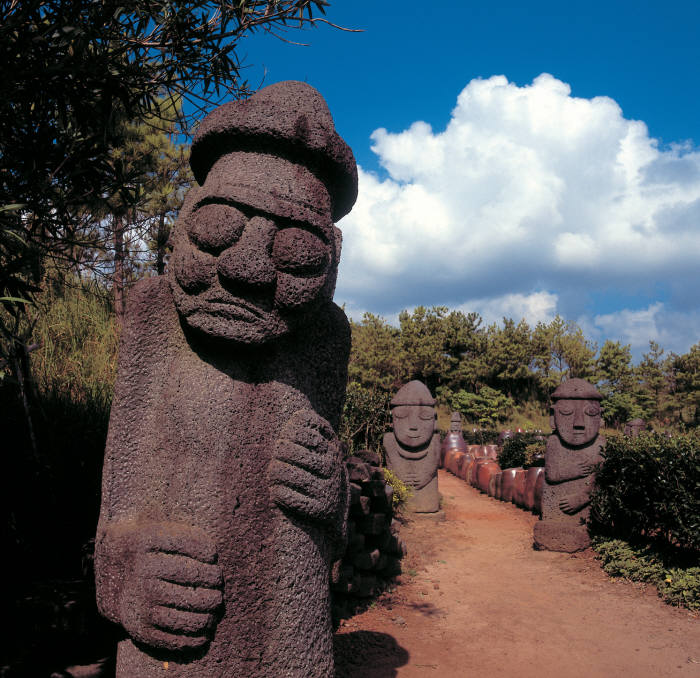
476 600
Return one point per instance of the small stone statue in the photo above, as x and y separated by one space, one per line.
634 428
454 440
224 496
572 452
413 448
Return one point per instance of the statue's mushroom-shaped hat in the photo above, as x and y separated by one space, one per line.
413 393
576 389
277 151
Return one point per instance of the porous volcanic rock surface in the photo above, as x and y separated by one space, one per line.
477 600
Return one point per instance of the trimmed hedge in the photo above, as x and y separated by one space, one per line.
522 449
649 488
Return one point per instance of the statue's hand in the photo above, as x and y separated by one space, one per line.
586 467
306 469
172 593
568 506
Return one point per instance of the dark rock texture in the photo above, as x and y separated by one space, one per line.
413 448
572 452
224 496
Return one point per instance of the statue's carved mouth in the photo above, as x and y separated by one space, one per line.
232 307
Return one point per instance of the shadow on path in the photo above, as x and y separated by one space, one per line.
368 654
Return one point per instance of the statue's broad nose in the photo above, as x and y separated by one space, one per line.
248 261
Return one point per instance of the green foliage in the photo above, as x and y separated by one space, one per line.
364 419
534 454
521 449
402 492
377 360
485 408
677 584
78 345
649 487
681 586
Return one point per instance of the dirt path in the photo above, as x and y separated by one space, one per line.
477 600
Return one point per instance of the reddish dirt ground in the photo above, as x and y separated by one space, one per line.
475 599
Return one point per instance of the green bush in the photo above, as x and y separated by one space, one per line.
402 492
521 450
649 488
364 420
481 436
677 584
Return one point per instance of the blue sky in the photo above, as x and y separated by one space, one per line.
569 185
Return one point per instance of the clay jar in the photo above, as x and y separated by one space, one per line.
474 450
531 476
507 483
463 462
448 459
492 485
497 481
539 485
485 470
466 470
456 459
453 441
490 451
518 497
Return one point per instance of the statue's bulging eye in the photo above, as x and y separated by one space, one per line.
400 413
592 412
299 252
215 227
565 412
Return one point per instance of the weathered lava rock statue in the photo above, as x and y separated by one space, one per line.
634 427
413 448
572 452
454 440
224 496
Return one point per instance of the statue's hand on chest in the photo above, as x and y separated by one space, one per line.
306 468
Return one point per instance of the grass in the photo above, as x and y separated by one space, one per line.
677 583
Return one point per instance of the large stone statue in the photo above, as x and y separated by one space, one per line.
413 448
224 496
573 450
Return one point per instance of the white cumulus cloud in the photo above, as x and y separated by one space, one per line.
530 202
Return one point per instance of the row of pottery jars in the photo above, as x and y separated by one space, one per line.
521 486
454 459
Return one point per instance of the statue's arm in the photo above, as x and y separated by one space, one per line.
307 475
160 581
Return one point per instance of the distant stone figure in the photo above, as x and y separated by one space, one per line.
454 440
224 496
413 448
635 427
572 452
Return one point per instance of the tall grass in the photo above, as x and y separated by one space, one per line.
52 498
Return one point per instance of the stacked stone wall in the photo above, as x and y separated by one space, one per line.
374 551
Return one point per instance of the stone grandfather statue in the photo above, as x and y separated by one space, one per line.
413 448
224 497
573 450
